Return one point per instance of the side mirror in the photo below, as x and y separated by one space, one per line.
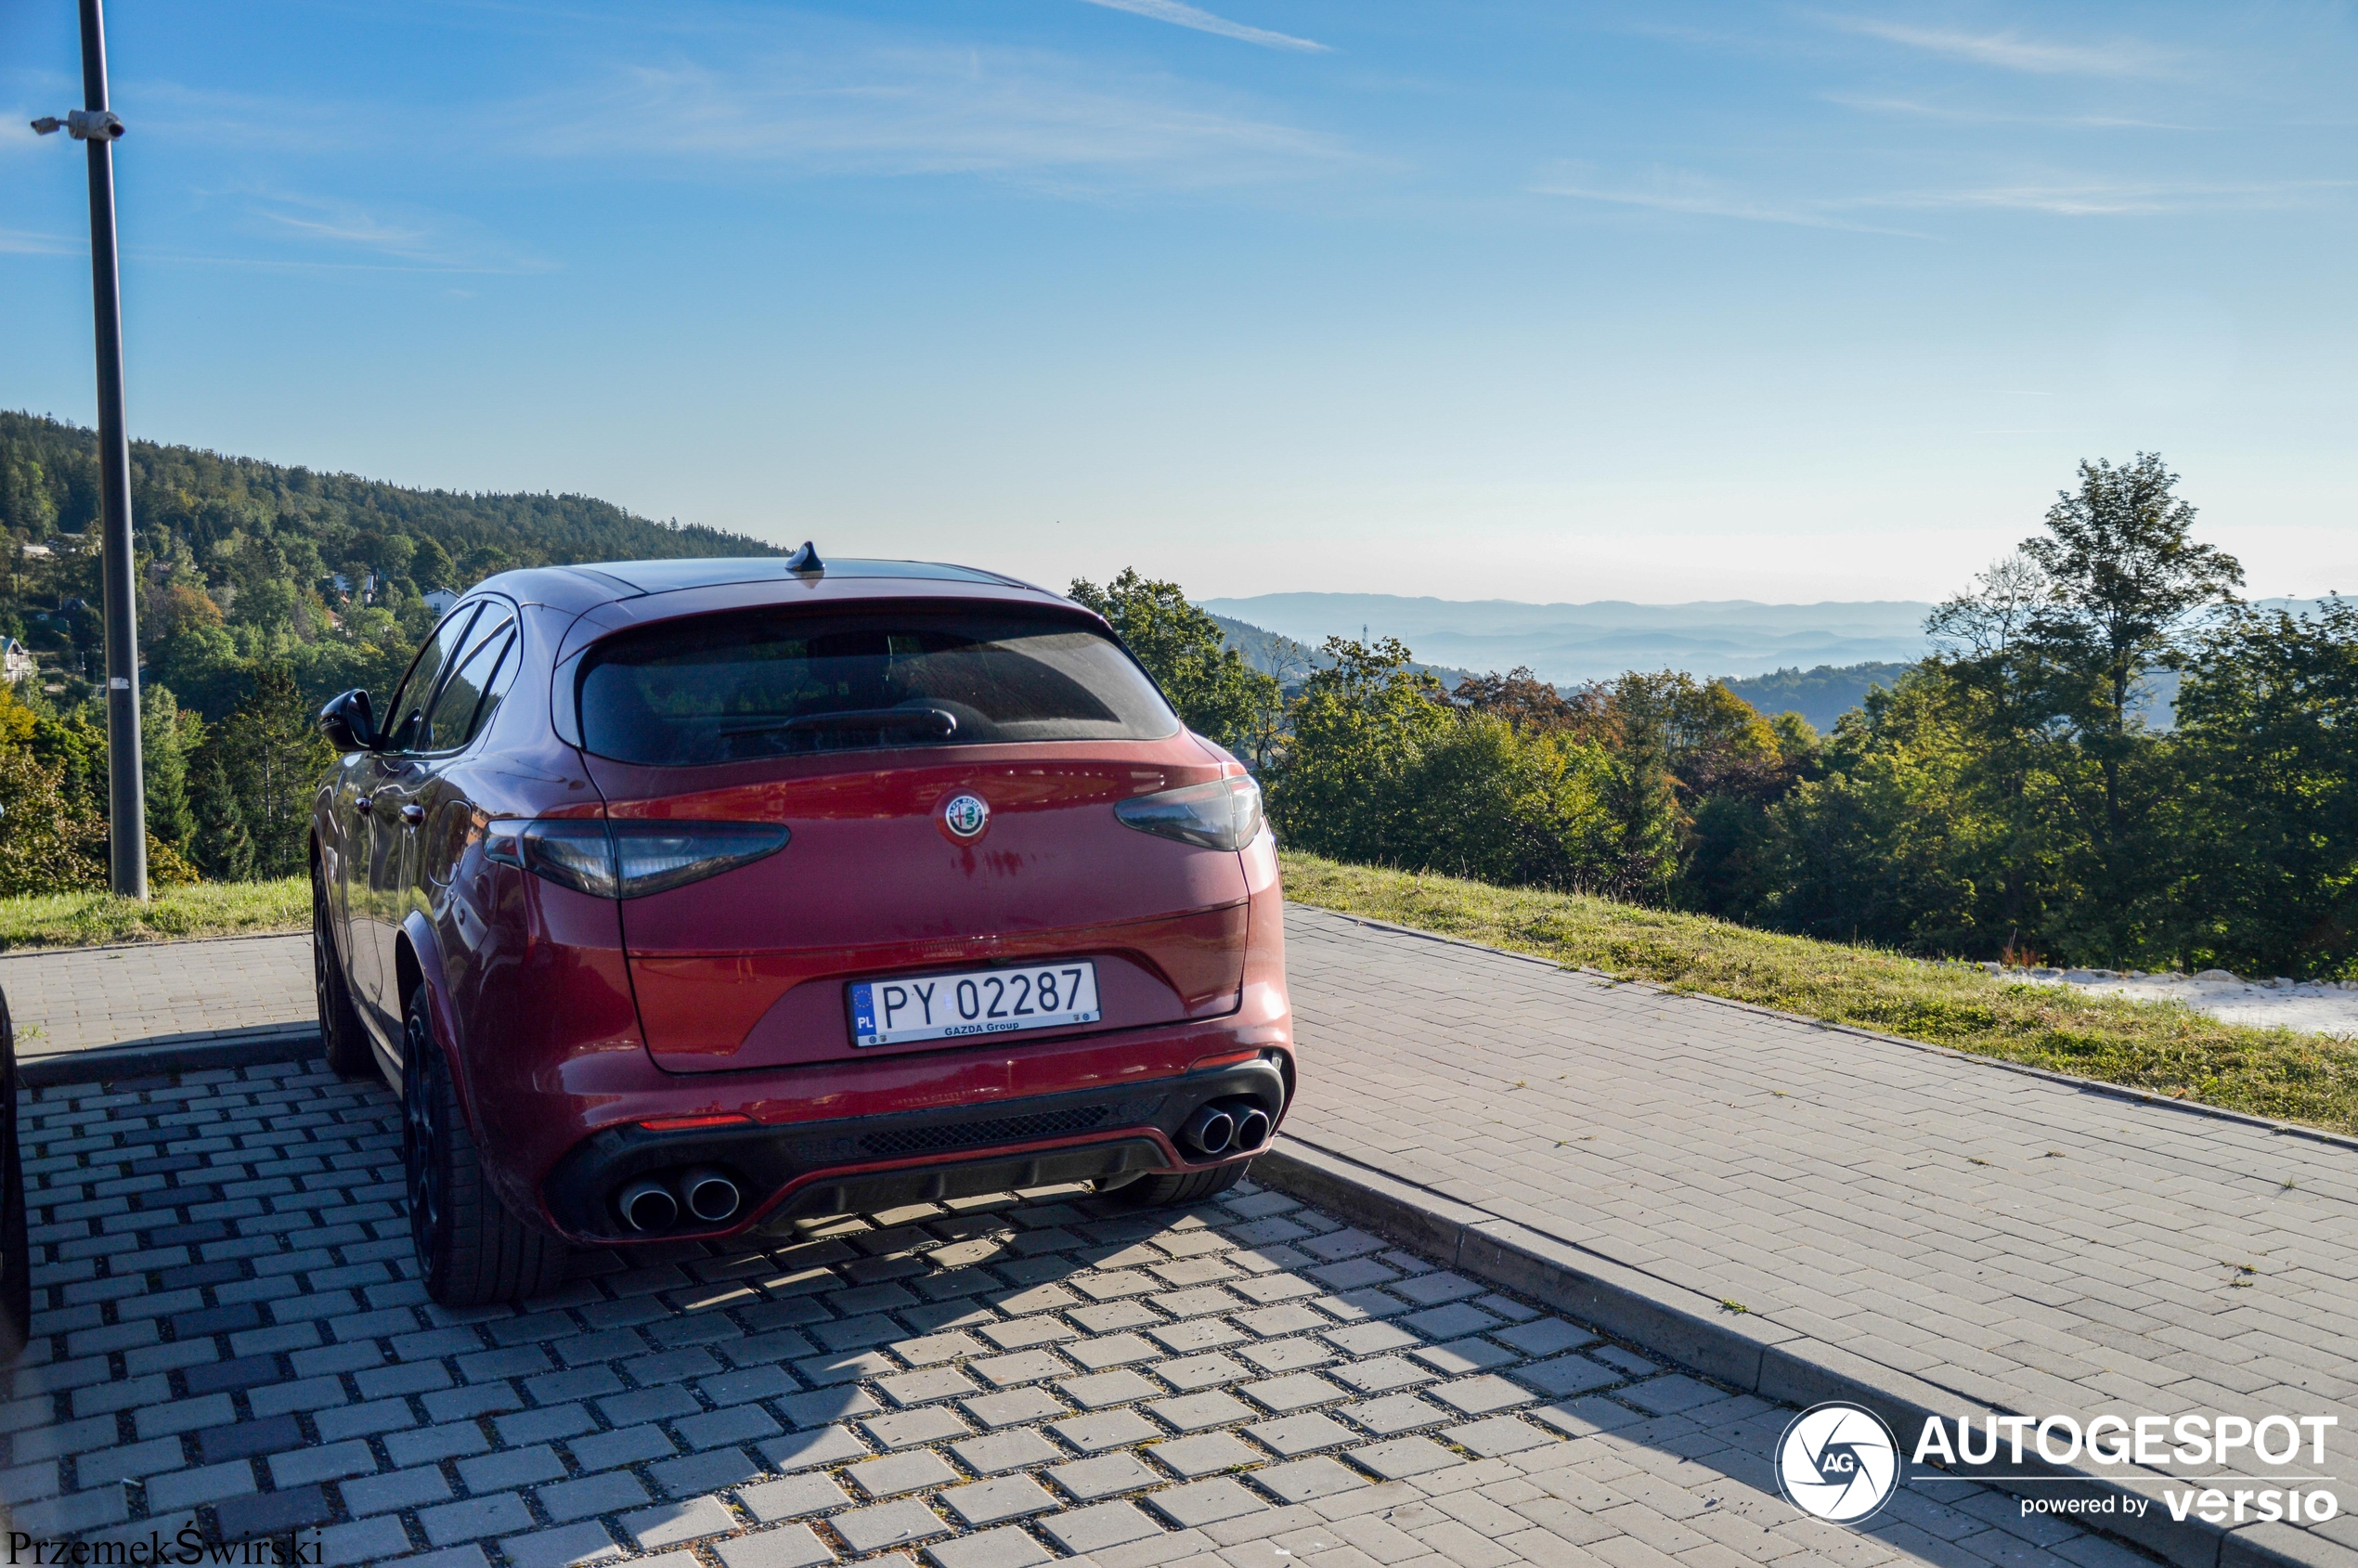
349 722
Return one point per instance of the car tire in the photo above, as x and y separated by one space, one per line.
1180 1187
470 1249
341 1040
16 1252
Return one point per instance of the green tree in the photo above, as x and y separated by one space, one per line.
267 605
73 744
47 842
1501 803
2047 660
2266 820
432 565
1894 844
395 554
223 850
2124 580
1217 693
1360 728
1644 840
26 502
1999 688
274 757
166 737
49 839
2123 574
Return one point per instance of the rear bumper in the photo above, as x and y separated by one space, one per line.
862 1162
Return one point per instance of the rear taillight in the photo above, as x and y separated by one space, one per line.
629 860
1223 814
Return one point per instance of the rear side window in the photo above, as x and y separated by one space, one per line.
473 689
406 731
792 684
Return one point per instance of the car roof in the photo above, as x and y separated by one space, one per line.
585 586
660 576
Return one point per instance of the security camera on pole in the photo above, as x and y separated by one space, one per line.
126 795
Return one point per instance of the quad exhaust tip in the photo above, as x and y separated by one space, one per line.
1252 1127
700 1196
1210 1131
647 1205
711 1196
1225 1127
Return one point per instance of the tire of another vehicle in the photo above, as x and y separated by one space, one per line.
471 1249
1181 1187
16 1252
341 1037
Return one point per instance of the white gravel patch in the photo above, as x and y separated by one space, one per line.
2310 1007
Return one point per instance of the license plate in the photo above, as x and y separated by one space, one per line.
975 1001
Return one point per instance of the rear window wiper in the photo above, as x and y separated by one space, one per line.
939 721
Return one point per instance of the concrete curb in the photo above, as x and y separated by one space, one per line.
51 950
1745 1352
169 1054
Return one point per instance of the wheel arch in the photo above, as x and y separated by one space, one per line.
416 960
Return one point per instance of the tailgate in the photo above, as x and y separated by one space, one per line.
749 968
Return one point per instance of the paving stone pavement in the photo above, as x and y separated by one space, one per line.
2022 1242
74 998
230 1334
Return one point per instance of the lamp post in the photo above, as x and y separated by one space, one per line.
96 125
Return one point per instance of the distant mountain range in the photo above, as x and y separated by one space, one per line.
1292 661
1817 660
1567 643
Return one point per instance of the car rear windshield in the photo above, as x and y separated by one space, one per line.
794 682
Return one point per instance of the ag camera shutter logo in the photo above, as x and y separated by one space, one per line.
1838 1462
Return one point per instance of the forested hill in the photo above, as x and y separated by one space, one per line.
49 484
1291 662
1822 695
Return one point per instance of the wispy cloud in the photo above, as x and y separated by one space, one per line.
1678 192
1694 195
410 240
1013 114
2013 51
1954 114
2122 199
1180 15
15 242
349 225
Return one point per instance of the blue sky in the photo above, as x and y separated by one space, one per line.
1548 302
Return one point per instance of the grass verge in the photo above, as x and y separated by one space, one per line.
2163 1047
206 909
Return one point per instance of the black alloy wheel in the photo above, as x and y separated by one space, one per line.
420 1136
470 1249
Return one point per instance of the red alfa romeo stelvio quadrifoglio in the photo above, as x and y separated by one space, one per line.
682 900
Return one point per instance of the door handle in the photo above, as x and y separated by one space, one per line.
413 814
363 805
